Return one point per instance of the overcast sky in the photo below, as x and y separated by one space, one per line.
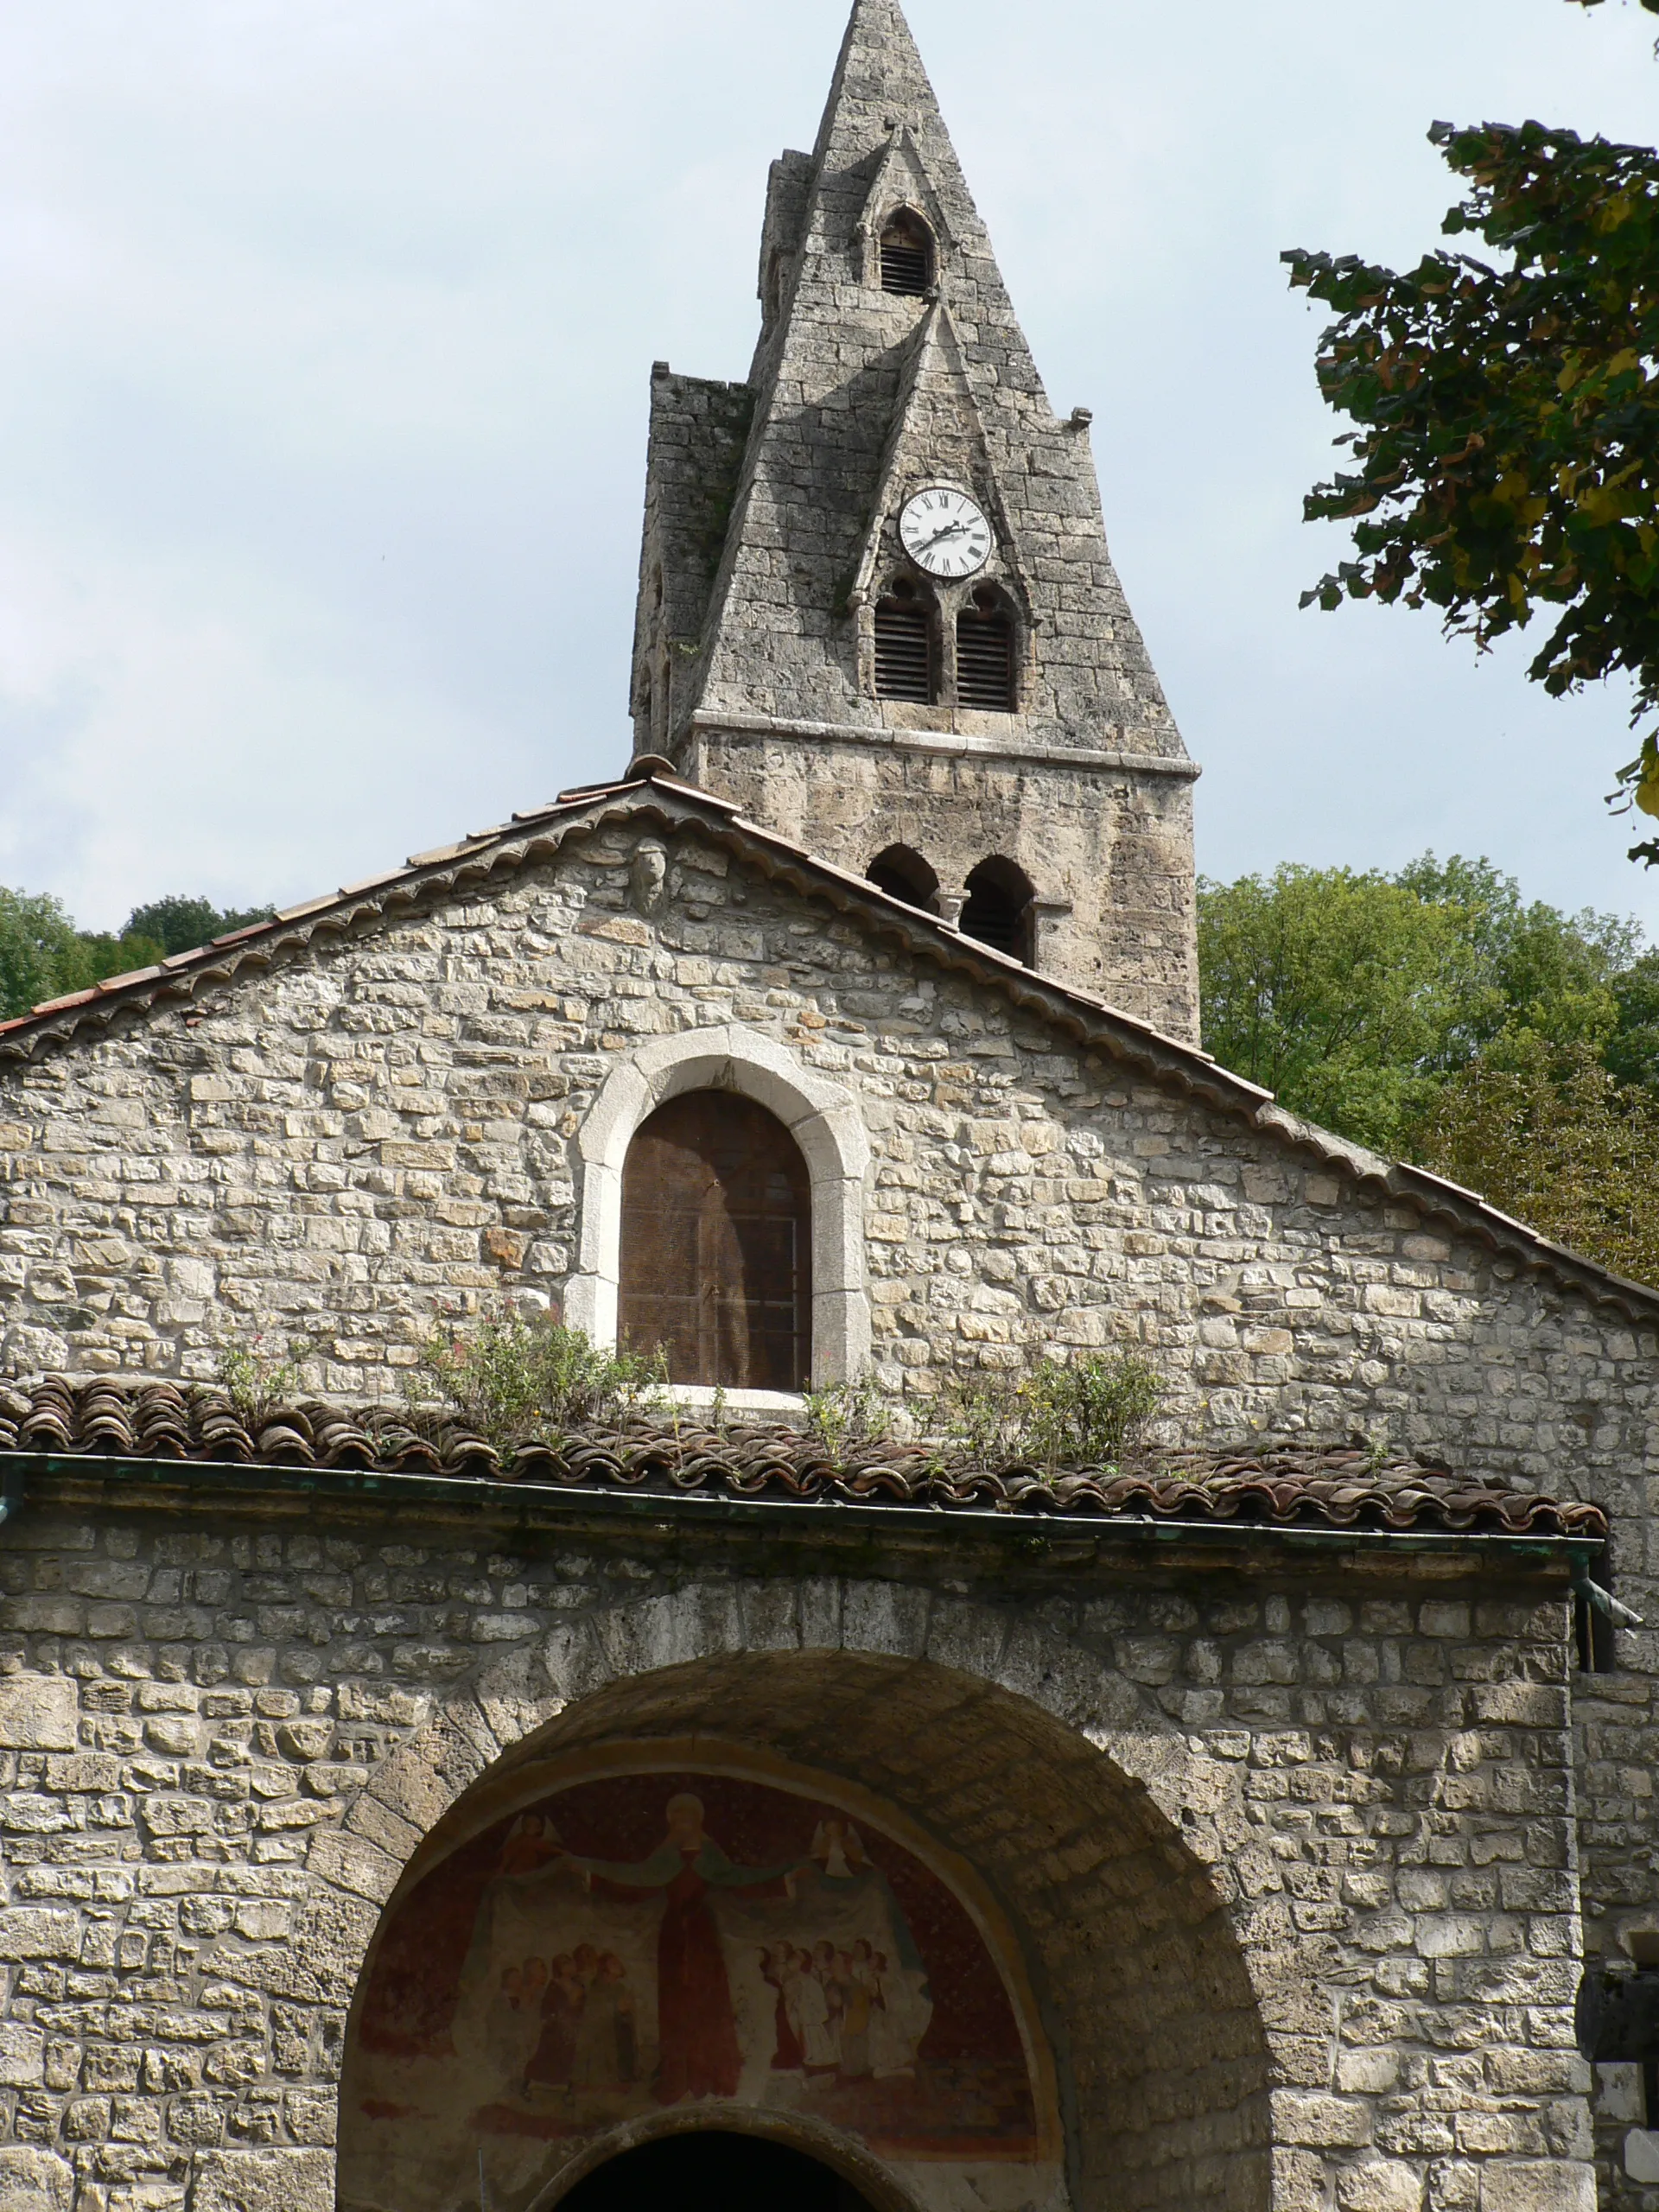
324 362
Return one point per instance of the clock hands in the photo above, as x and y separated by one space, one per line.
950 530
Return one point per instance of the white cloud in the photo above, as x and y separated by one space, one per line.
323 377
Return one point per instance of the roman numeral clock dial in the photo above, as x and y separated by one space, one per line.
945 532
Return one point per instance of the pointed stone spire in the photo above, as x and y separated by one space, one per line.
771 539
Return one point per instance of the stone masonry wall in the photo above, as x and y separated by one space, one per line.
1110 852
347 1146
384 1131
223 1731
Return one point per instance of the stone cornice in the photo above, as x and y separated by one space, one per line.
709 721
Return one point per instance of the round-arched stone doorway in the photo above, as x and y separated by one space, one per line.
1138 2028
712 2170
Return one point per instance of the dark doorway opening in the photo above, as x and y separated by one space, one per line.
714 2172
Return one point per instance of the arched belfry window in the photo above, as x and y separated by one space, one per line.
904 875
985 673
1000 910
906 661
906 255
717 1244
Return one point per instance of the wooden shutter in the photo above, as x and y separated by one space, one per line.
904 651
718 1245
985 660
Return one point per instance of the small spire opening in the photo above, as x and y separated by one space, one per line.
907 258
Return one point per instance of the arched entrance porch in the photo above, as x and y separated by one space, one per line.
1137 2023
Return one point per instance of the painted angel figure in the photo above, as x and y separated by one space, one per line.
838 1850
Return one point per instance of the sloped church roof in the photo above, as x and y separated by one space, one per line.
651 798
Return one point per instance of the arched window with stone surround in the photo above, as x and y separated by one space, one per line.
717 1244
907 256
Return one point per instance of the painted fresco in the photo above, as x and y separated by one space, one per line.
639 1942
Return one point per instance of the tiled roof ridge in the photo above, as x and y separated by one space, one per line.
673 803
1341 1486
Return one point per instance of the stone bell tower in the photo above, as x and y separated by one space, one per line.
876 606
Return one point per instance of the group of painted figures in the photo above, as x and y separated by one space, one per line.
842 2012
825 1938
567 2023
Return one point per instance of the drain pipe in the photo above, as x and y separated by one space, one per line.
1603 1601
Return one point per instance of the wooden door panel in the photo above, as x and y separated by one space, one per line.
717 1244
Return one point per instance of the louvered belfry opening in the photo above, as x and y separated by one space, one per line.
904 659
718 1245
985 655
904 875
1000 911
906 255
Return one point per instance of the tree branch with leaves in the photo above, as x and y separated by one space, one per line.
1507 446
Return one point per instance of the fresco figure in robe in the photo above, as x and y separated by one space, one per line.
699 2054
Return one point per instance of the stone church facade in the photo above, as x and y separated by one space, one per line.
390 1824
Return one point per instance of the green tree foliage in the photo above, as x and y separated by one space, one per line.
1355 996
1507 446
43 956
1555 1141
37 938
1336 990
178 924
1436 1015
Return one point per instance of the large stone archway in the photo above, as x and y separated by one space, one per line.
1138 1992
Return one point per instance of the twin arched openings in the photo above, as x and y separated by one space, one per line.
718 1245
912 667
1000 908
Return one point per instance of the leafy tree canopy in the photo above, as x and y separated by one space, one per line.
1437 1015
1506 447
1355 996
1557 1142
1339 991
179 924
43 956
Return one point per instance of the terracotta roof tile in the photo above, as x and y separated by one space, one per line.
1342 1487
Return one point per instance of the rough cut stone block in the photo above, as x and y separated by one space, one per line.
1537 2185
1379 2185
38 1932
23 2056
37 1712
263 2181
35 2180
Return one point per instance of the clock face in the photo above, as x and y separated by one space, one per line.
945 532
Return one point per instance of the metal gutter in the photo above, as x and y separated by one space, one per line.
1030 1531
